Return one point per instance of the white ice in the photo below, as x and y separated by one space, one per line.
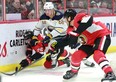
40 74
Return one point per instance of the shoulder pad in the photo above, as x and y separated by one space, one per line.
85 19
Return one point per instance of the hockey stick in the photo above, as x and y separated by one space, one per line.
21 68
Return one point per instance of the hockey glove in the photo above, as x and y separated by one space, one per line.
75 45
47 39
72 41
25 62
33 42
48 58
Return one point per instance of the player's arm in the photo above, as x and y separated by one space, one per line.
58 27
85 23
38 28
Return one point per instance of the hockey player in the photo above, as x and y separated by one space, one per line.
36 44
50 13
58 32
62 41
96 40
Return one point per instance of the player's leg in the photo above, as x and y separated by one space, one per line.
89 51
56 50
76 59
29 59
101 46
61 59
65 58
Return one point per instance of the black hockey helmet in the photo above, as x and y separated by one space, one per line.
70 13
28 35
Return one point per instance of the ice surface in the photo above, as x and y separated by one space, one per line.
40 74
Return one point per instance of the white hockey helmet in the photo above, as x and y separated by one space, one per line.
48 5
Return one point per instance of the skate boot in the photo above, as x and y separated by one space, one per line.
88 63
69 74
66 61
54 63
109 77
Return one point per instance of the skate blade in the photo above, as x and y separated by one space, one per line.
70 80
108 81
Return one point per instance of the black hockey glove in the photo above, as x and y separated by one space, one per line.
48 58
72 41
24 63
75 45
33 42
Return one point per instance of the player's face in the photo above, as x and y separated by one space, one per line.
49 12
66 20
69 21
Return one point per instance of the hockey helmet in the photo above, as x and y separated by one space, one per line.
48 5
70 13
28 35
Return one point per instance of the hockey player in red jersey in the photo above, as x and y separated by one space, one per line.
96 38
36 44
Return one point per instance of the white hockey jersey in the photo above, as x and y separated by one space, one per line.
54 27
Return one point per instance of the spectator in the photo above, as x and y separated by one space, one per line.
28 13
82 7
30 9
98 2
14 7
93 8
81 4
94 5
115 6
71 3
104 7
8 2
59 5
41 10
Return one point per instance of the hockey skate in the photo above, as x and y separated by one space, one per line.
88 63
54 63
66 61
109 77
69 74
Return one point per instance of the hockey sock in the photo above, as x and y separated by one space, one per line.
65 54
101 60
76 59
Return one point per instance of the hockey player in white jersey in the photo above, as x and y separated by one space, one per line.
55 31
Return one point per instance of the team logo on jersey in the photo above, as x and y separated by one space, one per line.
82 39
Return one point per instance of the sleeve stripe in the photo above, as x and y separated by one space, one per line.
73 33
